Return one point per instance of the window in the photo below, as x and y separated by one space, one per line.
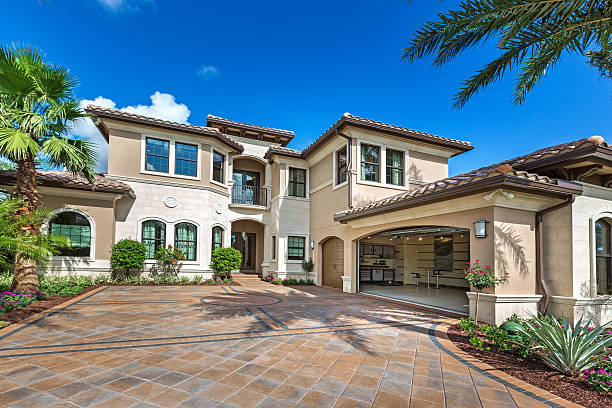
395 167
185 239
218 167
157 155
370 163
602 258
186 160
341 166
217 238
273 246
295 248
76 229
153 236
297 182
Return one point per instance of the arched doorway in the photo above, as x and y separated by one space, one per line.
333 262
247 237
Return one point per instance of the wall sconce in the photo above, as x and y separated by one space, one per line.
311 244
480 229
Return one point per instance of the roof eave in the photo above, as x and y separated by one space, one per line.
561 189
346 121
107 115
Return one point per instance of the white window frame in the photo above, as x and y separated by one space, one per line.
404 170
296 261
307 182
335 166
198 239
225 166
383 166
92 232
606 216
171 157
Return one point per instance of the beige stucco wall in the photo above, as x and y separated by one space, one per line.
125 155
426 167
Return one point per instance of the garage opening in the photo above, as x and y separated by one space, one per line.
420 265
333 262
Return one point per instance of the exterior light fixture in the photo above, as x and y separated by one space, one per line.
311 244
480 229
420 238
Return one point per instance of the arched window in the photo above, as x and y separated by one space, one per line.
153 236
217 238
602 258
76 228
185 239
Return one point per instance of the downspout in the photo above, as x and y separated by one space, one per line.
540 250
349 165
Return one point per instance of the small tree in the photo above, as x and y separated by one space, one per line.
308 266
481 278
225 260
169 261
127 257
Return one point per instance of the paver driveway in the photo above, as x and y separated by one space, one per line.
253 345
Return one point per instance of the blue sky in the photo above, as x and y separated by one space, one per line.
300 66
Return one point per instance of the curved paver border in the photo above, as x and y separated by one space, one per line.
438 334
17 327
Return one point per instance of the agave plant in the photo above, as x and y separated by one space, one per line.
563 347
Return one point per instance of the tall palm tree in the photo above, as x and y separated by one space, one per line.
532 35
37 108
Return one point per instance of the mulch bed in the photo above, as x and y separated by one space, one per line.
533 372
39 306
21 313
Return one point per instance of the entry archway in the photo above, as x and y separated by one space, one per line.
332 262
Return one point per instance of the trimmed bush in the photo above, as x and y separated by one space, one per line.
225 260
128 257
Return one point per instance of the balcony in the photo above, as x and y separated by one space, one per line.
249 195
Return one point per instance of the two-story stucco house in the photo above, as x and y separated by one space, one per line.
370 203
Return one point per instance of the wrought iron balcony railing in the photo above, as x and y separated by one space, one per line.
249 195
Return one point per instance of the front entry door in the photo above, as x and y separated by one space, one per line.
245 243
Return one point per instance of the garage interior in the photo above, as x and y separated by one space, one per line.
422 265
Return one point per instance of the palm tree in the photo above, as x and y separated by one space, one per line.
532 35
37 108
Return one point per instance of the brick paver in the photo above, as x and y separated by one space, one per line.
250 346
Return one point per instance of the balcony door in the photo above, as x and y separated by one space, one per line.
246 187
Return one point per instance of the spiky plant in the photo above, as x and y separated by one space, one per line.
532 35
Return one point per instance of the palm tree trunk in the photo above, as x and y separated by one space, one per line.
25 277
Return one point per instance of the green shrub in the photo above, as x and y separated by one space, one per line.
197 279
127 258
65 285
308 265
225 260
6 279
599 378
184 280
568 349
169 261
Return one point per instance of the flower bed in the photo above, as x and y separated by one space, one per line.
287 282
497 348
11 301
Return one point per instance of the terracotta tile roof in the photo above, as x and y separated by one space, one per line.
212 119
282 151
348 119
102 112
501 172
65 179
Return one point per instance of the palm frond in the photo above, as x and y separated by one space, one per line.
77 155
17 145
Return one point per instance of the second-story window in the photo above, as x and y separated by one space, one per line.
157 155
186 162
370 163
395 167
341 166
218 167
297 182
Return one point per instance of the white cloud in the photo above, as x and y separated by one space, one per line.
163 106
209 71
123 5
